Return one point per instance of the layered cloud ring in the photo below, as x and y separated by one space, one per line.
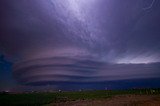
75 70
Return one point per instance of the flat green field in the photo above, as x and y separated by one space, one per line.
41 98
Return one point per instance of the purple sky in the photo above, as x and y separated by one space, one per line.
80 41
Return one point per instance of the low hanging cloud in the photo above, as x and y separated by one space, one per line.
81 40
77 70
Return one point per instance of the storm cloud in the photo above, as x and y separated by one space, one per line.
81 41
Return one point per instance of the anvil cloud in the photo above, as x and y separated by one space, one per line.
81 41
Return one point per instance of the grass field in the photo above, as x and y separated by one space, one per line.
36 99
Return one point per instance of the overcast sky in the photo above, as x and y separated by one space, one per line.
55 42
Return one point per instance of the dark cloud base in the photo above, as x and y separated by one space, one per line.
117 84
